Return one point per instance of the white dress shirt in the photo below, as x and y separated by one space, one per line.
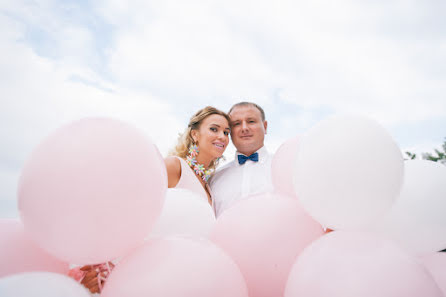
234 182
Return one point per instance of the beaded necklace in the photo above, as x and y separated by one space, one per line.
199 169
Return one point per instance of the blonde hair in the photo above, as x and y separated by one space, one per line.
185 139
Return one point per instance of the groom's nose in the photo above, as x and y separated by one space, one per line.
244 126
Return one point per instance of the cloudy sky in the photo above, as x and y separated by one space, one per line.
154 63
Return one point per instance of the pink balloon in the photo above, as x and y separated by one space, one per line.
176 267
282 167
18 253
435 263
92 190
264 235
347 264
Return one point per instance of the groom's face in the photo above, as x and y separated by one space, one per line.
247 129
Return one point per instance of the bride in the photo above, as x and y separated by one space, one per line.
198 150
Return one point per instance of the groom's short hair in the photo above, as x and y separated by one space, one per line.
244 103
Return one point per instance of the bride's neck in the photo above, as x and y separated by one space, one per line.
204 160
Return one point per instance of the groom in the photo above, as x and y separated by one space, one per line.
250 172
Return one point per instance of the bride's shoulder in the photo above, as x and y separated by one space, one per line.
173 168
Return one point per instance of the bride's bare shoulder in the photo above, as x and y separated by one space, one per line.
173 167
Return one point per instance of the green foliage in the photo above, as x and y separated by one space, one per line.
411 156
437 156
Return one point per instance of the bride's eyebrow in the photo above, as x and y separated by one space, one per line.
227 128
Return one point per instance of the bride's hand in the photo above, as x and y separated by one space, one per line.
95 276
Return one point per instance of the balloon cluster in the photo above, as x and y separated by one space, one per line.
349 175
96 191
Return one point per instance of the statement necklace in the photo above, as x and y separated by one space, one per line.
199 169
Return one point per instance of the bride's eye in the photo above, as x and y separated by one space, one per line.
213 129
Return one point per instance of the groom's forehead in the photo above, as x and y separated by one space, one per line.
245 111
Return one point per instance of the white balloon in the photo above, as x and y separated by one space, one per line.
348 172
39 284
418 219
184 213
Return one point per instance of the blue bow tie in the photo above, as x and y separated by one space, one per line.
242 158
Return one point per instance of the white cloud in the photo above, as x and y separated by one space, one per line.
340 55
40 94
183 50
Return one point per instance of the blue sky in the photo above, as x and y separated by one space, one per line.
154 63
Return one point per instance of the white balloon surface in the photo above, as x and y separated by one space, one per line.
184 213
348 172
418 218
39 284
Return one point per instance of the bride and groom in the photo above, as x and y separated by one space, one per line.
192 162
202 144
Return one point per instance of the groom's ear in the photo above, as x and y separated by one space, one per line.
265 125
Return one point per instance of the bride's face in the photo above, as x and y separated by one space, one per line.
212 136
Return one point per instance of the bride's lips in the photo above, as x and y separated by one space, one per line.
219 145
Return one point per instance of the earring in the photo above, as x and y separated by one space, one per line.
191 157
193 150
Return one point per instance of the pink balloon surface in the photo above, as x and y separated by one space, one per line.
264 236
352 264
435 263
18 253
176 267
92 190
282 167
